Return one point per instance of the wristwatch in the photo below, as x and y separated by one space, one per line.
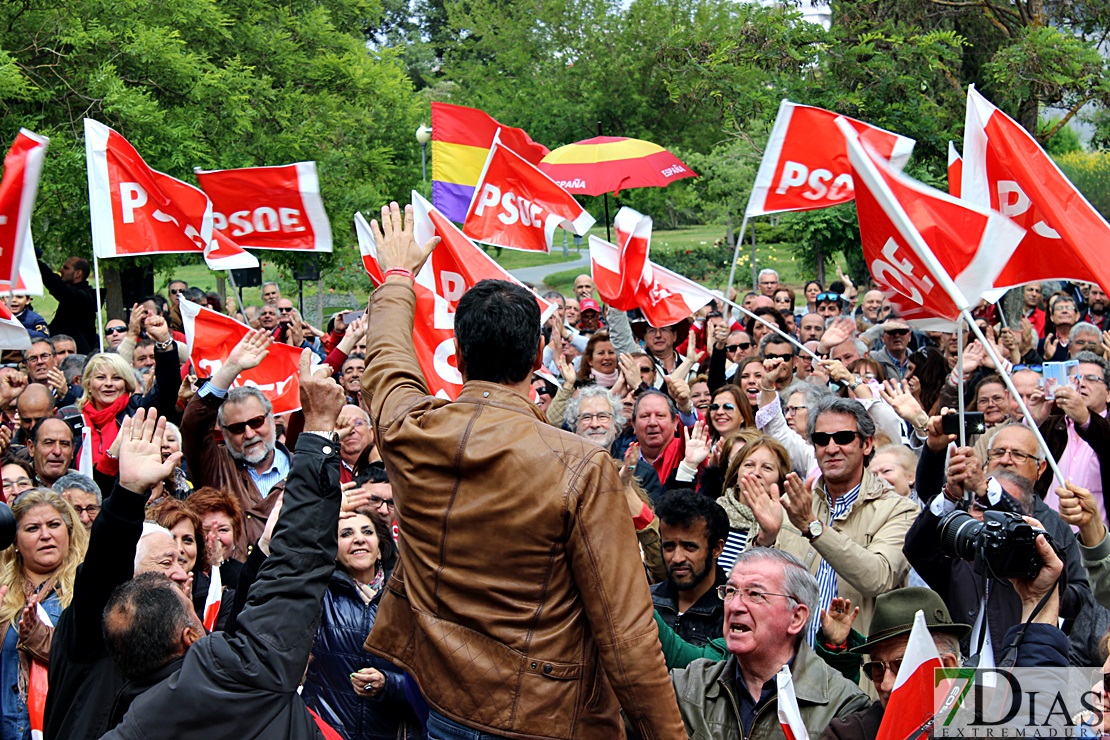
332 437
814 530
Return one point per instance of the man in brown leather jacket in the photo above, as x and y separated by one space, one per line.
519 604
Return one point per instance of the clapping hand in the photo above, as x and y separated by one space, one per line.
836 621
766 506
698 446
798 502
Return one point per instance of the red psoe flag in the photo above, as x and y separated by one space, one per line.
137 210
634 241
1007 170
20 185
269 207
211 336
911 701
456 265
517 206
805 165
935 255
955 171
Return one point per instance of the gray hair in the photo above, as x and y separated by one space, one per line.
768 271
1085 327
240 395
149 528
80 481
1038 456
54 340
798 583
73 367
773 337
947 643
831 404
595 391
813 393
1090 358
1023 484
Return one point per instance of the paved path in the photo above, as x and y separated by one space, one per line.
535 275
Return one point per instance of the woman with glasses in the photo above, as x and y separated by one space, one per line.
729 410
18 476
37 570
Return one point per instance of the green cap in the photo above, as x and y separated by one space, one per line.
894 615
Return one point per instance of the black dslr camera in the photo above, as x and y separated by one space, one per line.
1001 546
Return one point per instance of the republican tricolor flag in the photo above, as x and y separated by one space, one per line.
911 702
456 265
790 715
517 206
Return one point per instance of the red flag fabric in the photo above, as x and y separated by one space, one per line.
211 336
634 240
28 277
269 207
137 210
38 682
213 599
934 254
18 188
790 715
667 299
456 265
911 701
955 171
517 206
1006 169
805 165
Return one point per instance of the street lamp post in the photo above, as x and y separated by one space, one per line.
424 135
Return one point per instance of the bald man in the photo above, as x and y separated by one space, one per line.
35 403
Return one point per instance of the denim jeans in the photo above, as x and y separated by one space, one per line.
443 728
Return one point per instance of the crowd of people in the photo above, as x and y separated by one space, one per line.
615 529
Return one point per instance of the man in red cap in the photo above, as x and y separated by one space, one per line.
590 316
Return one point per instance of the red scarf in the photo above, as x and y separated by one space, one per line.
103 425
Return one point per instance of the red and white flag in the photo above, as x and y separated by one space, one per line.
211 336
790 716
667 299
634 241
805 165
38 683
456 265
85 457
137 210
18 188
13 335
213 599
911 701
28 277
955 171
517 206
935 255
269 207
1007 170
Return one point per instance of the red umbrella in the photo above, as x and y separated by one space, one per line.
609 164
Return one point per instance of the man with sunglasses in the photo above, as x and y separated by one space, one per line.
850 527
895 354
829 305
115 331
250 463
770 600
738 347
775 347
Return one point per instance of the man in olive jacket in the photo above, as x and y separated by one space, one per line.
519 604
770 599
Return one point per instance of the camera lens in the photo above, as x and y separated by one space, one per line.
958 532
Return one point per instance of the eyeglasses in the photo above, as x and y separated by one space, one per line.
376 501
876 669
719 406
361 423
992 401
91 509
590 418
18 483
1035 368
286 309
1092 378
116 330
747 595
897 332
768 282
843 437
791 410
241 426
40 358
783 357
658 329
742 346
1016 455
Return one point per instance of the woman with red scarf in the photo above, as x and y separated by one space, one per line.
110 385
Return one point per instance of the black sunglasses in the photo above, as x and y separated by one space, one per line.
742 345
897 332
843 437
719 406
241 426
116 330
784 357
287 309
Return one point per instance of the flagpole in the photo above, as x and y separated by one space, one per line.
736 256
775 329
1013 391
960 380
99 307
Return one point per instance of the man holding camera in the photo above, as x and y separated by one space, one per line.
1015 462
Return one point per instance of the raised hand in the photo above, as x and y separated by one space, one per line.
836 621
140 452
396 241
251 350
566 369
271 522
837 371
698 446
798 502
321 397
766 507
56 381
135 322
1051 344
157 329
776 370
630 371
12 383
1078 508
974 356
899 398
679 390
838 332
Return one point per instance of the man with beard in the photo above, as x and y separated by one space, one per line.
693 529
250 464
810 328
597 415
1097 305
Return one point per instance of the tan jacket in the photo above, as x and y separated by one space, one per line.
519 604
864 548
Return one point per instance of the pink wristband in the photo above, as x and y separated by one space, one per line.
399 271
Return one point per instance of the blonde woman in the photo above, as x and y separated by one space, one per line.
37 570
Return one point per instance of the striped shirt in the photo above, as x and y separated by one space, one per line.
826 576
734 545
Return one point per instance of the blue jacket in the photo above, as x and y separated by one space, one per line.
13 705
337 653
34 324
